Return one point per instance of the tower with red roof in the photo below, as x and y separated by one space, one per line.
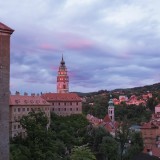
62 78
5 33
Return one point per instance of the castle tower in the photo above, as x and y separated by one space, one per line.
5 33
111 109
62 78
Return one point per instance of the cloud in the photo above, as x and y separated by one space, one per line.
106 44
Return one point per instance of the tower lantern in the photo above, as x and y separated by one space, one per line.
62 78
111 109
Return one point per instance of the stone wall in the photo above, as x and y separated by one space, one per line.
4 90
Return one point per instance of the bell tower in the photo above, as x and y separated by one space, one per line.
111 109
62 78
5 33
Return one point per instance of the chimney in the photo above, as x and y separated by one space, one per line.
25 94
17 93
33 94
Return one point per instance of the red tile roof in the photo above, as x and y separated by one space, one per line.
4 28
21 100
148 125
61 97
107 119
157 105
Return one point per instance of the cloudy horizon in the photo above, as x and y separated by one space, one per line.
105 44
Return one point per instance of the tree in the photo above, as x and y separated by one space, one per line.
136 145
122 136
82 153
109 148
40 143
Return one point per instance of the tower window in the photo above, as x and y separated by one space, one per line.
70 109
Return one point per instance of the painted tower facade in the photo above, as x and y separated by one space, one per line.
62 78
5 33
111 109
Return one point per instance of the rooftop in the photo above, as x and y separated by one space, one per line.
61 97
21 100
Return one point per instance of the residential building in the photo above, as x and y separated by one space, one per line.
151 134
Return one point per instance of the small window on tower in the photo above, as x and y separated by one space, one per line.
64 86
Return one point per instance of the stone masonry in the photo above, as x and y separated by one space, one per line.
5 33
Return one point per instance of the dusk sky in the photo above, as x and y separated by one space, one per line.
106 44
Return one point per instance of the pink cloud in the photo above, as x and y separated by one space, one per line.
79 44
46 46
54 68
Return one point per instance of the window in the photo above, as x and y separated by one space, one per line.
52 109
65 103
14 109
77 103
27 109
23 109
77 109
58 109
70 109
15 118
70 103
19 126
19 109
14 126
59 104
64 109
53 103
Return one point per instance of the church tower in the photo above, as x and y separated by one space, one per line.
111 109
5 33
62 78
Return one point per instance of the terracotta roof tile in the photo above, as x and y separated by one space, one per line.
107 119
21 100
61 97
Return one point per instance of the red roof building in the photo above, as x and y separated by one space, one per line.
64 104
21 105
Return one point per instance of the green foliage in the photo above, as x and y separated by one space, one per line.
82 153
109 148
133 114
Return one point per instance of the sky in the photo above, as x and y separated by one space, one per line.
106 44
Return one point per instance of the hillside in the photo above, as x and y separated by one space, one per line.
154 88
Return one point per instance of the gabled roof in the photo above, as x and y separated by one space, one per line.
107 119
61 97
5 29
157 105
149 125
20 100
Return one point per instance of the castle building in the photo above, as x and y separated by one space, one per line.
21 105
64 104
62 78
5 33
